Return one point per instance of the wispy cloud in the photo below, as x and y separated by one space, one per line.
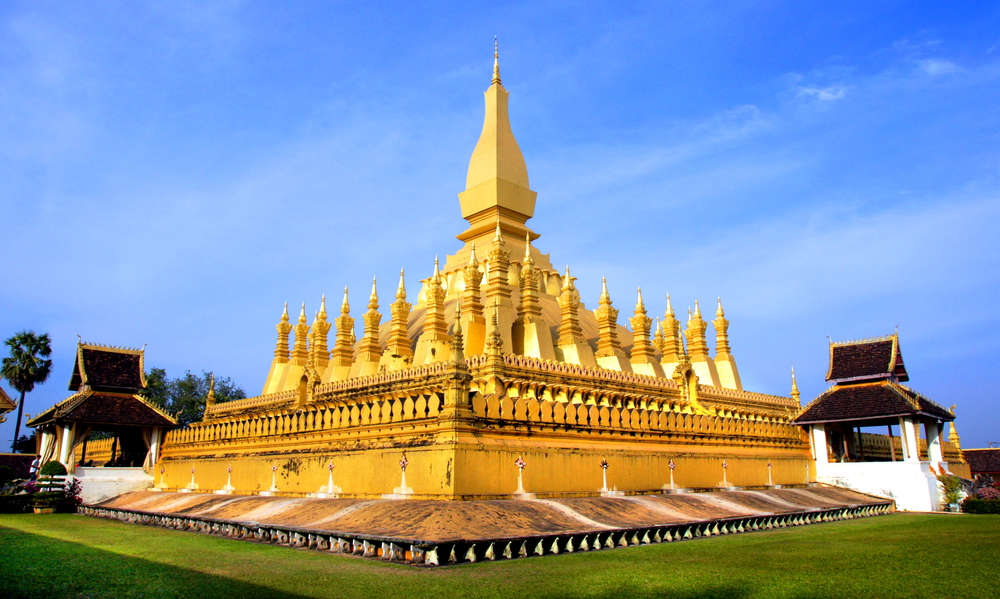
826 94
937 66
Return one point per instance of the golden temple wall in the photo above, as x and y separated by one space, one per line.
462 428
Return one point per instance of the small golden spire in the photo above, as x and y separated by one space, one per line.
345 308
322 306
472 255
284 315
639 305
496 61
494 345
457 340
527 247
953 433
670 307
718 311
605 296
795 387
373 298
437 271
697 310
401 290
457 328
567 280
302 314
210 399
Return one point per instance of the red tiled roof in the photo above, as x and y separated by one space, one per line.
105 408
869 401
866 360
108 368
982 460
6 403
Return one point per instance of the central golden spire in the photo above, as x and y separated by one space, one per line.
496 186
496 61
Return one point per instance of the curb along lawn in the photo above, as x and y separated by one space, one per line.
903 555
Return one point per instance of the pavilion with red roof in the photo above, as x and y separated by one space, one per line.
867 391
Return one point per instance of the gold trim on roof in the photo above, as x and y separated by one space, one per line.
133 351
71 403
889 337
5 400
894 337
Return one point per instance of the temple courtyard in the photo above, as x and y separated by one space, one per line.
899 555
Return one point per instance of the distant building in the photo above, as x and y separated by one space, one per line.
867 393
106 381
984 461
6 405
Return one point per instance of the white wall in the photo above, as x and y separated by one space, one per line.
98 484
912 484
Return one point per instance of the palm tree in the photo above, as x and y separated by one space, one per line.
26 366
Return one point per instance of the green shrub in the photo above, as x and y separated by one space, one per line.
53 468
952 487
981 506
49 483
48 499
15 504
6 474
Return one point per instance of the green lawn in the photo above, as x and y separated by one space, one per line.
901 555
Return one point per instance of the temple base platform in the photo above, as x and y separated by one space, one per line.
432 533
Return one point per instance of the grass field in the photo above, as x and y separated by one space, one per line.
902 555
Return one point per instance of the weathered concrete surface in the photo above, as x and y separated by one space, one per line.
439 521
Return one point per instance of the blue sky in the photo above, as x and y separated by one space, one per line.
174 171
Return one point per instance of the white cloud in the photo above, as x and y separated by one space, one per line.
937 66
826 94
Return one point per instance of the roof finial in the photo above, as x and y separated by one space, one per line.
605 296
670 307
527 247
344 306
795 386
718 311
401 290
496 61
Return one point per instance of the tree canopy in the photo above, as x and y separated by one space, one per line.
185 395
26 366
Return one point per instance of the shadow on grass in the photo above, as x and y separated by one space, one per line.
722 591
37 566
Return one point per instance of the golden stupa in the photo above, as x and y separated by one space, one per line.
497 382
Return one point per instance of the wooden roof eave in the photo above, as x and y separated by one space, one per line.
883 417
